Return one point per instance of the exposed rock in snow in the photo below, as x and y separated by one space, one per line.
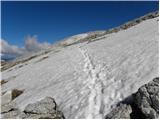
10 110
44 109
8 107
16 93
57 115
12 114
147 99
3 82
143 104
89 76
123 111
44 106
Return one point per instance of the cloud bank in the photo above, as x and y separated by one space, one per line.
6 48
31 44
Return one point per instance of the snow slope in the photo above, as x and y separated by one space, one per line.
88 79
79 38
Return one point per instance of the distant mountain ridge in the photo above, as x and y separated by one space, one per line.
96 34
80 38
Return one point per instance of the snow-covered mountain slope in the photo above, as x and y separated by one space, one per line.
80 38
87 79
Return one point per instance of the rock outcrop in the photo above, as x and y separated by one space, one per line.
47 105
147 99
10 110
144 104
121 111
43 109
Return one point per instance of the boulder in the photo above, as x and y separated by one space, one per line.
12 114
45 108
46 105
10 111
147 99
8 107
141 105
122 111
56 115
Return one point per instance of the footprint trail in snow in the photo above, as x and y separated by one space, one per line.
95 76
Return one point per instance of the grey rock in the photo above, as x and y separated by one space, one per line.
10 111
12 114
8 107
147 99
119 112
144 104
56 115
43 109
46 105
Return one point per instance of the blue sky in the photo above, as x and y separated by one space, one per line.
52 21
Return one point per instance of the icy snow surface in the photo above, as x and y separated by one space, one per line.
87 79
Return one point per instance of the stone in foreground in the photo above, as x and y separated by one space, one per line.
147 99
121 111
44 109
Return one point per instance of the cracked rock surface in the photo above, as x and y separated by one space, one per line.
43 109
147 99
121 111
145 104
44 106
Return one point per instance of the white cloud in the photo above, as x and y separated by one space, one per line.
31 45
6 48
